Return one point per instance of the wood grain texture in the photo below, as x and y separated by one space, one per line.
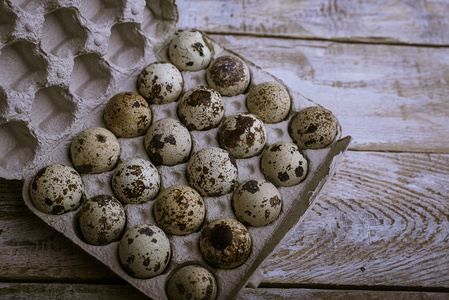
32 250
57 291
377 21
381 221
388 98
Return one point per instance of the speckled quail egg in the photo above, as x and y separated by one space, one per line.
270 101
179 210
228 75
144 251
256 202
201 108
160 83
168 142
225 243
243 135
212 171
127 115
189 51
135 181
192 282
313 128
95 150
102 220
57 189
284 164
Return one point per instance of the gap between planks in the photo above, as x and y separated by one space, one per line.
361 40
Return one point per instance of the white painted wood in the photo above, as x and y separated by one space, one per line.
376 21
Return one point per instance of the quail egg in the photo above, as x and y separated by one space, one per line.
228 75
135 181
127 115
160 83
256 202
225 243
144 251
94 150
270 101
212 171
102 220
168 142
192 282
57 189
243 135
284 164
201 108
189 51
313 128
179 210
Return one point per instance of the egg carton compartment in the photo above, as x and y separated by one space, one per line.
105 45
63 60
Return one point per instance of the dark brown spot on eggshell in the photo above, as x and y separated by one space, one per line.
283 176
199 47
221 236
199 97
156 142
299 171
275 201
146 231
251 186
101 138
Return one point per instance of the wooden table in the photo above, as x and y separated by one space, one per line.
381 227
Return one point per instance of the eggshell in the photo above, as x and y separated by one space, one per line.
212 171
168 142
192 282
160 83
225 243
270 101
57 189
144 251
179 210
313 128
135 181
201 108
243 135
284 164
256 202
94 150
189 51
127 114
102 220
228 75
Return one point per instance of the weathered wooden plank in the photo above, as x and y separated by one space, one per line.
32 250
381 221
377 21
388 98
82 291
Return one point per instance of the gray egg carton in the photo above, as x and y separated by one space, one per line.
63 60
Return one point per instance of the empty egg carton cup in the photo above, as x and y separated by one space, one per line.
63 60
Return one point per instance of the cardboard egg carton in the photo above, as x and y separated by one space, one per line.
64 60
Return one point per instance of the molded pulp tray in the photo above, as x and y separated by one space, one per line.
64 60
